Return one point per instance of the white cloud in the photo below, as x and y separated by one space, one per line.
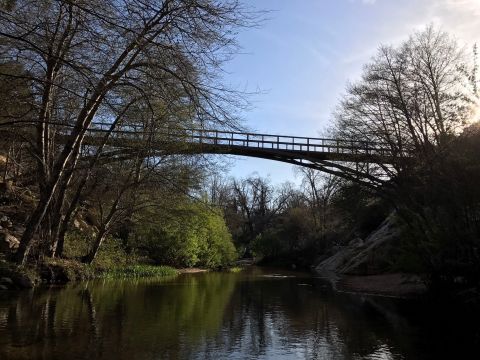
461 17
458 17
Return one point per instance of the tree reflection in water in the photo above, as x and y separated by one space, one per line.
205 316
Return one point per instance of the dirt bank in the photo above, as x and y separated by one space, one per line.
394 285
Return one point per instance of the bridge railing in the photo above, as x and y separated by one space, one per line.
281 142
223 138
135 135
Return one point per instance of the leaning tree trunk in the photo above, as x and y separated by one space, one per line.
102 233
69 155
56 216
59 180
31 228
60 177
62 226
62 230
67 218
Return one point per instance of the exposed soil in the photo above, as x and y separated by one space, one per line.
395 285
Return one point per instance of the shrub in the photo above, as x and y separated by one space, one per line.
194 236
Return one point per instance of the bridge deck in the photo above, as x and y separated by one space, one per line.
268 146
253 144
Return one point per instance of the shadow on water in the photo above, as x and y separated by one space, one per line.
256 314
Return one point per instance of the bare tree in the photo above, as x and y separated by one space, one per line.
412 98
416 100
319 189
258 202
87 61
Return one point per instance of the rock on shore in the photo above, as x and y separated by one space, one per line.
364 265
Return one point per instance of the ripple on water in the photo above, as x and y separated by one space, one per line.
208 316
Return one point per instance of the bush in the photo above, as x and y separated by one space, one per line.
194 236
76 245
111 254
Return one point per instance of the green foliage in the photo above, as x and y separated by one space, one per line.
292 238
111 254
195 236
76 245
268 244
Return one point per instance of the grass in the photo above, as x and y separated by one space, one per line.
235 269
139 271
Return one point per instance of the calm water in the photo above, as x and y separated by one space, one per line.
257 314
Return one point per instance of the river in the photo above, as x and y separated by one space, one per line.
254 314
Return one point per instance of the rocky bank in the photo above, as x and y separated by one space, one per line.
365 265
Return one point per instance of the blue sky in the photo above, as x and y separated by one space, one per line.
304 55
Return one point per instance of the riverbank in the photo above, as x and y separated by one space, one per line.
191 270
392 285
366 265
60 271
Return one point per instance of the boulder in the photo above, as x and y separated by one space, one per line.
24 281
8 242
368 257
5 222
6 187
6 281
12 277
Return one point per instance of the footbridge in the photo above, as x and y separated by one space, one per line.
362 161
350 159
267 146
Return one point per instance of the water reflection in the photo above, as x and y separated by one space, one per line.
204 316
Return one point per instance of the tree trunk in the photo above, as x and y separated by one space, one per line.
56 214
60 179
62 231
58 251
30 229
67 218
62 226
88 259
